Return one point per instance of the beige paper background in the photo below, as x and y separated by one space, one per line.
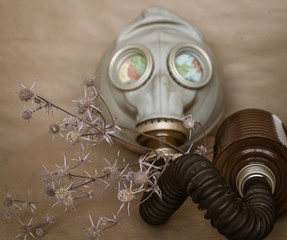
60 43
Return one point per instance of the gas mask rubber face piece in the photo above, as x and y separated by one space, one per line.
159 70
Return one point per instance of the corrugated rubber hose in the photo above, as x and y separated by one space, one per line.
250 218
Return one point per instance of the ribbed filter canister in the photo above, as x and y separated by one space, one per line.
253 136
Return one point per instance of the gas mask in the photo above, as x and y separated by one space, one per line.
158 70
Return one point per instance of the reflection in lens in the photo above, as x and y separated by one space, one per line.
132 68
188 67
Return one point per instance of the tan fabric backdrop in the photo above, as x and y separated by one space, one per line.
59 43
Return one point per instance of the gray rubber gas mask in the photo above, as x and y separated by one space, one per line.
159 70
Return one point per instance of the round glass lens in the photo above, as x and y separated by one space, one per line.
188 67
132 68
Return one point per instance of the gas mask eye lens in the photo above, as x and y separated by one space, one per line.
131 67
189 65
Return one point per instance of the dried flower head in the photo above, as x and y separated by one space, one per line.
188 122
91 234
24 230
72 122
116 176
27 114
62 193
26 94
40 232
90 81
201 150
107 170
46 176
126 195
62 171
54 128
7 201
83 104
72 137
49 190
140 177
112 173
130 176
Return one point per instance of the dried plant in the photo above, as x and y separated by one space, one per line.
70 182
